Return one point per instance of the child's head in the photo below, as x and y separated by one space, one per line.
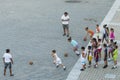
99 40
111 29
105 25
111 41
89 47
53 51
86 28
104 45
116 47
97 25
82 48
69 39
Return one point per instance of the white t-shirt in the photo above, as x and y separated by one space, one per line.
7 57
65 19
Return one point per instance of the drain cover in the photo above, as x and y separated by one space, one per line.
72 1
110 76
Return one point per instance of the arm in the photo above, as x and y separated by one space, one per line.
11 60
4 60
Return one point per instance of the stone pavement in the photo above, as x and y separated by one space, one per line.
113 20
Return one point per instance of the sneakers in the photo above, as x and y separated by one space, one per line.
95 66
114 67
12 75
57 66
82 69
64 68
105 66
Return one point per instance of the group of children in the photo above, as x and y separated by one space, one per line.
97 49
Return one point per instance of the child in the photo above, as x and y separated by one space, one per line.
115 56
97 30
105 56
89 32
90 54
111 49
57 61
112 35
83 59
75 45
99 48
96 56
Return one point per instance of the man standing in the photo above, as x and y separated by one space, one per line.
8 61
65 22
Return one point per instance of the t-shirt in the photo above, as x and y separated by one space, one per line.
65 19
91 32
7 57
115 53
74 43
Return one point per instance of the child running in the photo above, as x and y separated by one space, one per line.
89 32
75 45
90 54
83 59
115 56
57 61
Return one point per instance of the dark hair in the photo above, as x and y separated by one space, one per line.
65 12
97 25
99 39
86 28
105 45
116 46
7 50
54 51
89 47
69 39
83 48
104 25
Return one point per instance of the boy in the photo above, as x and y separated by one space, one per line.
8 61
57 61
83 59
115 56
105 56
96 56
89 32
90 54
75 45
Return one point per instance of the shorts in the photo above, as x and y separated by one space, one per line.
110 49
99 50
89 58
96 59
83 61
8 65
58 62
65 26
115 58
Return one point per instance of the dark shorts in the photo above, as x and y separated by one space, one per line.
65 26
8 65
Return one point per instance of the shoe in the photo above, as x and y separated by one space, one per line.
64 34
78 54
114 67
12 75
95 66
57 66
64 68
81 69
89 66
105 66
67 35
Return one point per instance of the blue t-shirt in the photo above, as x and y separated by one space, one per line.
74 43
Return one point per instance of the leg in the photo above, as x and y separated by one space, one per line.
64 30
6 65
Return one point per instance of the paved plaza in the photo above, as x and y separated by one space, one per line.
32 28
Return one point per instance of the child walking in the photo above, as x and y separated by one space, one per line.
83 59
90 55
75 45
57 61
105 56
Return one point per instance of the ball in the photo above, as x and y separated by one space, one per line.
85 39
65 54
30 63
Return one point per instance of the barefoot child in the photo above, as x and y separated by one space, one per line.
57 61
75 45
